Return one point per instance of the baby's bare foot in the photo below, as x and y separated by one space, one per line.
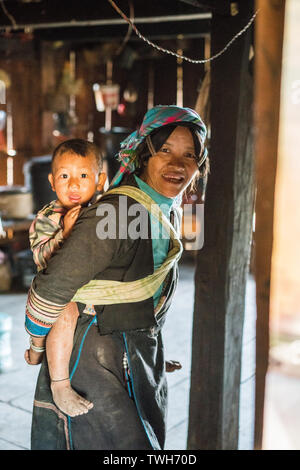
68 400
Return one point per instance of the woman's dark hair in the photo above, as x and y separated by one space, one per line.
159 137
78 147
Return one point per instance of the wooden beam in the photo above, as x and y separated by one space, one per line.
222 264
153 31
268 47
48 21
222 7
47 11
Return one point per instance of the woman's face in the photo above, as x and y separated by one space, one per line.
173 167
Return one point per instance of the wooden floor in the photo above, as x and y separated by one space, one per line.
17 385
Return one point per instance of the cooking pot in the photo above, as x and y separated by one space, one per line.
15 202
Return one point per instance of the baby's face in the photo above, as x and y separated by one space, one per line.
75 179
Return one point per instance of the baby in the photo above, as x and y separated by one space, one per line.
76 177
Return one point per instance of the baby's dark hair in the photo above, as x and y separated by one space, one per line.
78 147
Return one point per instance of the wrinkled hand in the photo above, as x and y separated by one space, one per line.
172 365
69 220
33 358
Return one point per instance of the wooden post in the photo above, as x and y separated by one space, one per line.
268 47
222 264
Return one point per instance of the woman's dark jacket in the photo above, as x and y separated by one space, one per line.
84 257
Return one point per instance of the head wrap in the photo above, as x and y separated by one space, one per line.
154 118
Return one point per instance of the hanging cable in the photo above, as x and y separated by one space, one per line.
129 31
9 16
166 51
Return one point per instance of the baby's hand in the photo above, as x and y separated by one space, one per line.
70 219
33 358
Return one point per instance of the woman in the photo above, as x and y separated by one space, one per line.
130 276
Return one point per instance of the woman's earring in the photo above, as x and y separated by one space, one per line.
150 145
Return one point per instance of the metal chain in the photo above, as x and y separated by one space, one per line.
175 54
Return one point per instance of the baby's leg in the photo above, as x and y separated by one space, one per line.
59 346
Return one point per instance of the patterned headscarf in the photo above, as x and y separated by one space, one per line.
154 118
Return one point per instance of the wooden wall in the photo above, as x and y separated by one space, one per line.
20 60
35 69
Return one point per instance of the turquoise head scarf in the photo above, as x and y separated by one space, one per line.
154 118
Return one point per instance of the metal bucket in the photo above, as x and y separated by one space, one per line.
36 172
110 144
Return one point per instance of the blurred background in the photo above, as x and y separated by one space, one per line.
283 381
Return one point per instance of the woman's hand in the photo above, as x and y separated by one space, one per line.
70 219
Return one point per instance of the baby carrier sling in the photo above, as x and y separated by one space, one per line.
104 292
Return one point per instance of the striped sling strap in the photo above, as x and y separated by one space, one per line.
105 292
